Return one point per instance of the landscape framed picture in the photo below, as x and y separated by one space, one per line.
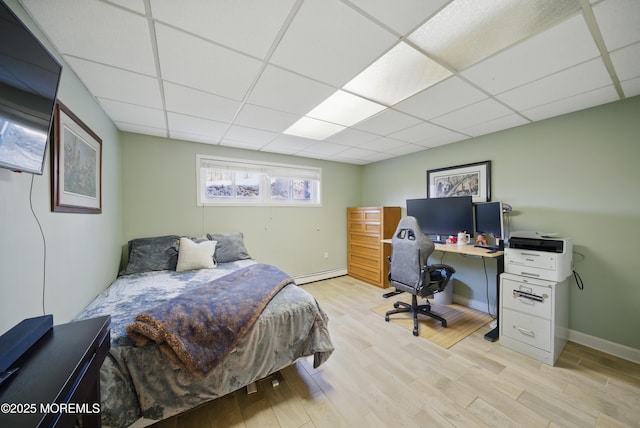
473 179
76 165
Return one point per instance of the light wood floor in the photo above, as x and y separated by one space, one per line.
382 376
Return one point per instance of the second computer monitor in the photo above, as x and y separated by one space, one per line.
489 219
442 216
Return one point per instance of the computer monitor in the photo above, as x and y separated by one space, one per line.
442 216
489 219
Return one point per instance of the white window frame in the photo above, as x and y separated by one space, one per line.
266 172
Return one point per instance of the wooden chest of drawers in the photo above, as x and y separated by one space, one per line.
366 254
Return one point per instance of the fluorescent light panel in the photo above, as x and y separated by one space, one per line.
397 75
345 109
468 31
334 114
462 34
308 127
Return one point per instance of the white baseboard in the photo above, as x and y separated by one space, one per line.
474 304
319 276
612 348
621 351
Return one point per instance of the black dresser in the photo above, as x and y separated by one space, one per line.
58 380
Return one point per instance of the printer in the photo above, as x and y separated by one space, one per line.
539 255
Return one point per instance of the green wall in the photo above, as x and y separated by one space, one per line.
159 197
576 175
82 251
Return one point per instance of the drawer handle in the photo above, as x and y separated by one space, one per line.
525 331
535 275
527 297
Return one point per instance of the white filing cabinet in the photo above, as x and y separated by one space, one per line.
534 316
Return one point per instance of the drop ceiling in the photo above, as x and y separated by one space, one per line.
241 73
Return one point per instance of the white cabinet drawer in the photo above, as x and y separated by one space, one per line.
526 328
525 296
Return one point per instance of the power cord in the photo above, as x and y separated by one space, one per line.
486 281
44 244
578 280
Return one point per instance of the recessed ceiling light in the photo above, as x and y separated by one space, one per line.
345 109
308 127
468 31
397 75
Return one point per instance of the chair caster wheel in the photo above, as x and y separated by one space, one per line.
396 305
386 318
444 323
415 331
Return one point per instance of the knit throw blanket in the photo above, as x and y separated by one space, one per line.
199 328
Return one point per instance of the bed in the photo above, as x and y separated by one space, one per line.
143 384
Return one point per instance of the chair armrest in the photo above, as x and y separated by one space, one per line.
450 270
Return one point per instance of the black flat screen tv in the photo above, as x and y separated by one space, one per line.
29 79
443 216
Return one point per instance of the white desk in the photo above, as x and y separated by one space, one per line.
470 250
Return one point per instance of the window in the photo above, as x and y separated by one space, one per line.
224 181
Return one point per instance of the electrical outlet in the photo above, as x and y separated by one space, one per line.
326 254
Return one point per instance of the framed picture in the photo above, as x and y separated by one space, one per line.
76 165
473 179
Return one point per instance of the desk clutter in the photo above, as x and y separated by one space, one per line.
532 273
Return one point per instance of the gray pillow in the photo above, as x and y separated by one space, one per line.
230 247
150 254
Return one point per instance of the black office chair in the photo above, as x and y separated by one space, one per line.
410 273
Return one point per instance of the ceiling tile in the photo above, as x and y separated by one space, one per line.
282 90
578 102
100 32
560 47
442 98
387 122
331 42
257 137
405 149
117 84
618 22
242 73
205 130
351 137
386 145
419 132
288 144
474 114
401 19
134 114
626 61
442 139
504 122
264 118
139 129
248 26
631 87
180 99
573 81
194 62
323 148
135 5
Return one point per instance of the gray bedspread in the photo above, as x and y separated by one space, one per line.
142 382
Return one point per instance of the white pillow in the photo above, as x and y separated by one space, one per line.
195 255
